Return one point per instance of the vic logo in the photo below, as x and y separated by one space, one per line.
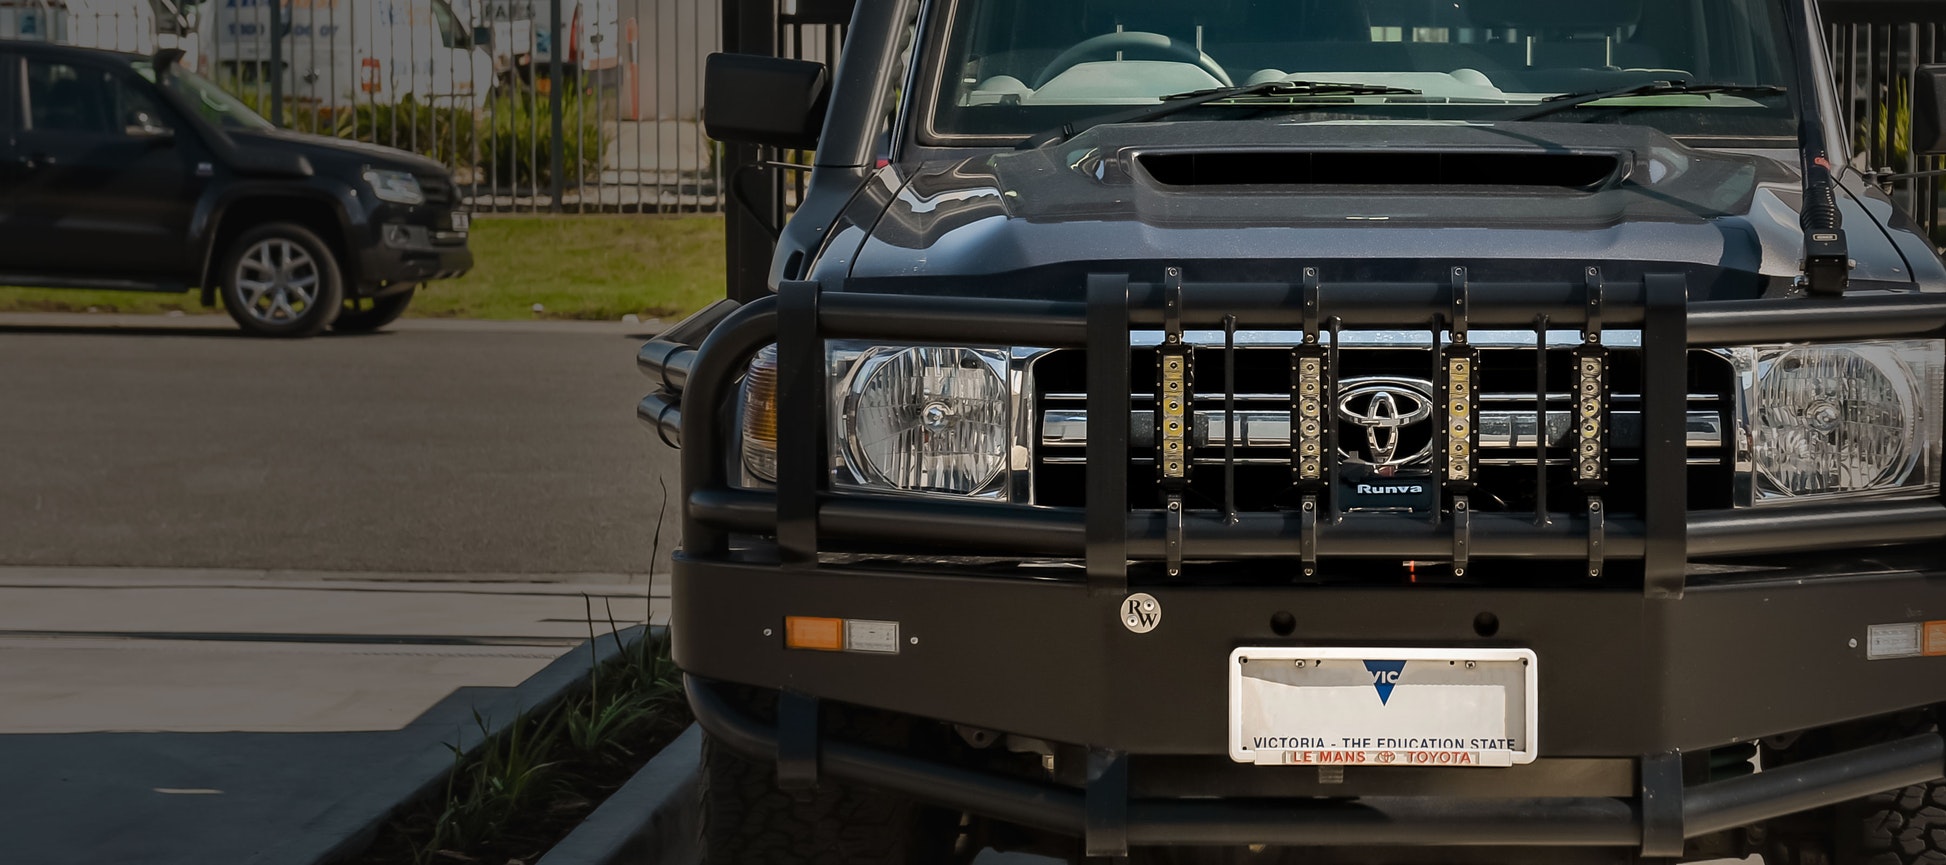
1385 675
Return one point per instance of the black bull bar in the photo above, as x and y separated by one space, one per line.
1107 534
805 518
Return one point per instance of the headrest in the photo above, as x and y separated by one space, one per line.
1553 14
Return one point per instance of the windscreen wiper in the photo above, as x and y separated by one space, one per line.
1565 101
1177 102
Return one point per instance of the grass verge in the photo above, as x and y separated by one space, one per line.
587 267
519 794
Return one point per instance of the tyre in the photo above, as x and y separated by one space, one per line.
1900 827
1903 827
366 314
746 819
280 279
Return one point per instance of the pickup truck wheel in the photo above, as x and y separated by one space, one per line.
280 279
1903 827
746 819
1900 827
366 314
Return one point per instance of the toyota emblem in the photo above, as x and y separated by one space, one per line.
1383 421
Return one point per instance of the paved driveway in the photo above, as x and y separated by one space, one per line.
243 582
439 447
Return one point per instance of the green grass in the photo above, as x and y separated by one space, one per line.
522 791
575 267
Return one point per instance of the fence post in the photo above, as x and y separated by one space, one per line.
753 205
555 47
276 35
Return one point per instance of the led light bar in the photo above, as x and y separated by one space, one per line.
1308 438
1591 416
1462 418
1173 417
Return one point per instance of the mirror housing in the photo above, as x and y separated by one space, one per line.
752 99
1929 108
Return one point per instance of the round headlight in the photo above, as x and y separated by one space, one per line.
929 420
1833 420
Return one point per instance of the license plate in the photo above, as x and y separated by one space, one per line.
1382 707
462 221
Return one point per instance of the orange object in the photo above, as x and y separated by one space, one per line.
631 77
1933 641
760 403
822 635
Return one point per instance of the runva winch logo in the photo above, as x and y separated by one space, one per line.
1391 489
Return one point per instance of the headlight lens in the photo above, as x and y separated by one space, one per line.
1844 419
922 419
398 187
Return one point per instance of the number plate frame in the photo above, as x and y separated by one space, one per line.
1519 702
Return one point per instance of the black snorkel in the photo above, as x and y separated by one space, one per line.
1827 257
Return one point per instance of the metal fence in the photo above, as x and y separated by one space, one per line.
604 118
1875 46
475 83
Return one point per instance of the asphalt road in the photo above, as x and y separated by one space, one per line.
436 448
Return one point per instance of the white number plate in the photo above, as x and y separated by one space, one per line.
1382 707
462 221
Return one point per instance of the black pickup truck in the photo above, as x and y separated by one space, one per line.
1365 431
130 173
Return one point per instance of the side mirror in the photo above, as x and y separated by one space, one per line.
482 36
1929 109
750 99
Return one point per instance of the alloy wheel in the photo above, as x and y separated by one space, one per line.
277 280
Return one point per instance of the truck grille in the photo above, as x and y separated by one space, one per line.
1510 398
438 190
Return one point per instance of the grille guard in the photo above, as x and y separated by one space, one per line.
1107 535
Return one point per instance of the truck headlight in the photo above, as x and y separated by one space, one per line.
1839 420
398 187
921 419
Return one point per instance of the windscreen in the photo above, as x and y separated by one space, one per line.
209 100
1013 68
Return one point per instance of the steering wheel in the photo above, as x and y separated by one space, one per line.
1155 45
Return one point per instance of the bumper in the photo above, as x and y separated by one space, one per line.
402 254
1620 675
1627 686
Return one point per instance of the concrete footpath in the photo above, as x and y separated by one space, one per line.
207 717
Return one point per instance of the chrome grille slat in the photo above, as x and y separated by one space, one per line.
1280 461
1552 396
1068 428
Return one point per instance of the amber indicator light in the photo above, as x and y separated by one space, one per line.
823 635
